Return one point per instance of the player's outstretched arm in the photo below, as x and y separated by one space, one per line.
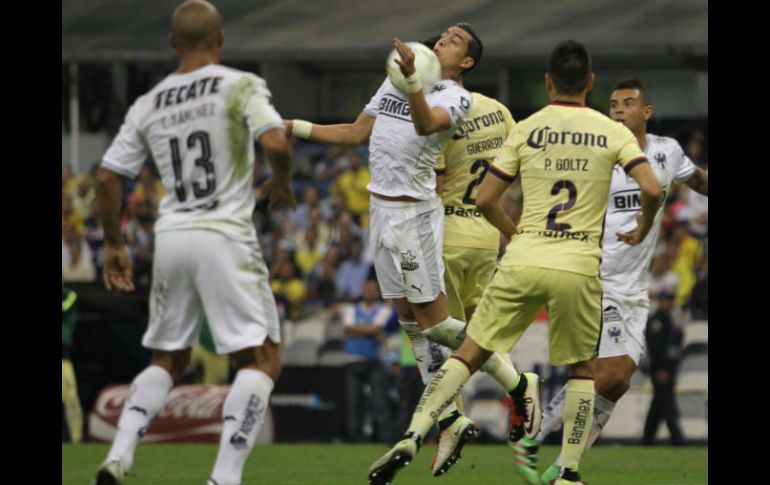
278 154
346 134
699 181
118 272
488 202
652 197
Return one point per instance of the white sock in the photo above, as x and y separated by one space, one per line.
552 414
148 393
603 408
451 332
243 413
430 356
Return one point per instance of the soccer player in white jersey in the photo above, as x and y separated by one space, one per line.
199 124
406 133
624 273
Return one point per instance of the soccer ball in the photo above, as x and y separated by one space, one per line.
425 61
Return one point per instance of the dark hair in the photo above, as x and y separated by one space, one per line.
569 66
475 46
634 83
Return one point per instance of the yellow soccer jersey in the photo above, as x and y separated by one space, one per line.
564 154
464 162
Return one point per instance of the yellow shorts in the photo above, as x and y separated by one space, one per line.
467 271
515 296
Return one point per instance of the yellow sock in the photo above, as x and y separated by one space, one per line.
439 393
578 416
69 396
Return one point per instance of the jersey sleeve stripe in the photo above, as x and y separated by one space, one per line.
499 173
633 163
118 169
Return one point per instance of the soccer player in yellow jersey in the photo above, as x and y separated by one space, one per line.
565 154
471 243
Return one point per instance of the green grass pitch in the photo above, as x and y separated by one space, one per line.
306 464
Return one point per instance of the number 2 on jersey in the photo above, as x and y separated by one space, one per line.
484 165
551 224
204 161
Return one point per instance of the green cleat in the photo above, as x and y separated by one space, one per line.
525 459
551 475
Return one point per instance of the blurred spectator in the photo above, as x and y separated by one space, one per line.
69 216
68 182
352 186
353 272
699 298
321 278
310 251
334 162
94 236
322 229
83 196
140 238
664 351
148 187
686 252
310 199
696 149
289 290
77 266
363 325
661 278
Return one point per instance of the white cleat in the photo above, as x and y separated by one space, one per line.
111 473
451 442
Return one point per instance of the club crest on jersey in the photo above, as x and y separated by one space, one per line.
661 159
407 261
614 333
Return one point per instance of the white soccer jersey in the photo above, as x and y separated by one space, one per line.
624 267
401 161
200 128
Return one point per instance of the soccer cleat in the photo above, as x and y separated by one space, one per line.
550 475
526 412
525 460
111 473
458 431
385 468
565 476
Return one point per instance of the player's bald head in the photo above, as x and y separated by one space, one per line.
196 24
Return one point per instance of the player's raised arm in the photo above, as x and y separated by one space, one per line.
117 263
345 134
699 181
426 120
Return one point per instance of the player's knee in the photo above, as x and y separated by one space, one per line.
612 383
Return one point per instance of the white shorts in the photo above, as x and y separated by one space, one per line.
201 274
407 240
624 321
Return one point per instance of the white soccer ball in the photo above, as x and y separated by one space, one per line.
425 62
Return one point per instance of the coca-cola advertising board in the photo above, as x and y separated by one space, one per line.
192 413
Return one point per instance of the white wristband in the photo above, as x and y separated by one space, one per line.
413 83
301 128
